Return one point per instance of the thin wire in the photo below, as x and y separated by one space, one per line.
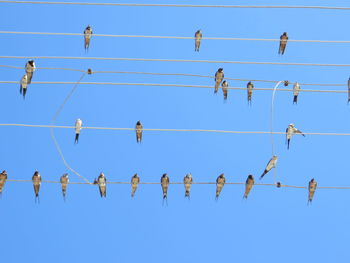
172 37
53 133
178 5
165 85
179 60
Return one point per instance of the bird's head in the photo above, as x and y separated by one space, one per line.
135 176
189 175
291 125
285 33
220 69
165 175
312 180
138 123
102 174
31 62
222 175
65 175
250 176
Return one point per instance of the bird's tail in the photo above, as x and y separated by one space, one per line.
76 138
216 88
64 195
295 100
288 141
187 194
216 197
165 200
263 174
24 93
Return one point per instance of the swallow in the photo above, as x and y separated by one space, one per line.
3 178
224 87
30 68
220 182
36 183
187 183
296 89
78 125
198 38
23 86
134 183
250 87
348 90
283 43
271 164
87 37
138 132
164 181
101 181
312 189
248 185
290 131
219 76
64 181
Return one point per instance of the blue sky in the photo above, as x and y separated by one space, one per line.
272 225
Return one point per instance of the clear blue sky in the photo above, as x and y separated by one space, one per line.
273 225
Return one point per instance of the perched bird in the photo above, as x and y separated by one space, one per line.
283 43
3 178
296 89
78 125
36 183
224 86
198 37
164 181
312 189
219 76
87 37
248 185
290 131
348 90
64 181
187 184
134 183
250 87
220 182
271 164
30 68
101 181
286 83
138 132
23 86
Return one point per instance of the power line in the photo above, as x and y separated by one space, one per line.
174 37
179 5
180 60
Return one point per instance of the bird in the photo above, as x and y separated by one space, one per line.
23 85
101 181
271 164
250 87
290 131
187 183
3 178
64 181
283 43
220 182
198 38
164 181
312 189
219 76
134 183
87 37
348 90
138 132
36 183
30 68
248 185
78 125
296 89
224 86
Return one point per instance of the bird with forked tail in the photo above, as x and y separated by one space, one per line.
220 182
283 43
135 180
271 164
296 89
87 37
219 76
312 189
138 129
290 131
64 182
187 183
248 185
36 179
198 38
164 181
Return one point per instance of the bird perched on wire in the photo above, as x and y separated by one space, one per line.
87 37
220 182
101 181
64 182
248 185
30 68
135 180
23 86
139 131
312 189
3 178
296 89
283 43
224 87
271 164
290 131
250 87
198 38
187 183
36 179
78 125
219 76
164 181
